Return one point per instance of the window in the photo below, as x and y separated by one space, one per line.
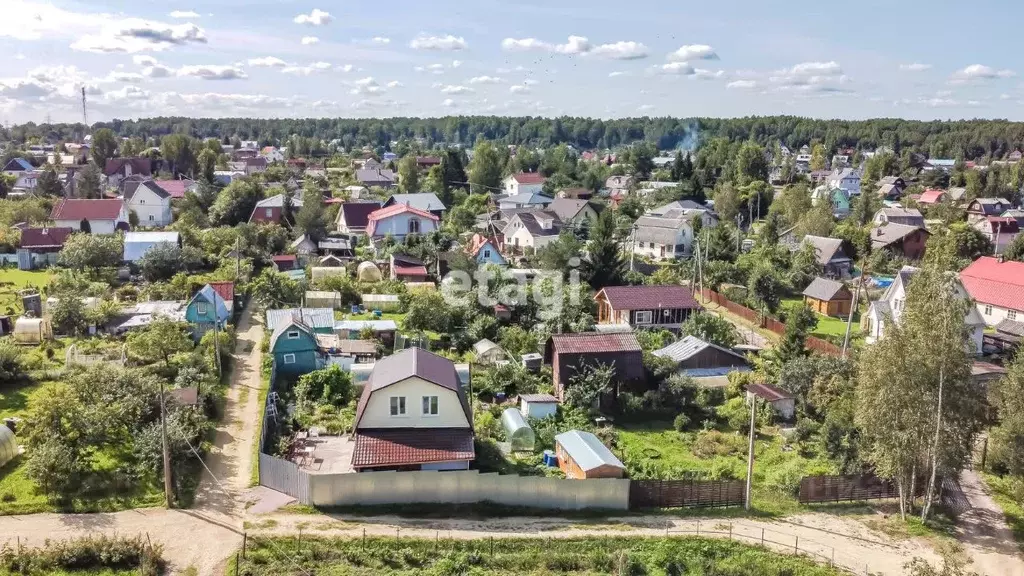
398 405
269 212
151 217
643 317
414 226
1011 315
289 358
201 308
430 405
294 334
988 310
487 253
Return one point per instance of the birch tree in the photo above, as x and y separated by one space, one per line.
917 408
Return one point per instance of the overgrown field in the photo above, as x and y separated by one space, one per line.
682 556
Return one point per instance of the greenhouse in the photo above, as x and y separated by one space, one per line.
32 330
518 433
382 302
8 445
368 272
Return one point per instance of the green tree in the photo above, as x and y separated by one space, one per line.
91 251
408 175
751 164
818 221
604 265
207 164
311 218
1015 251
864 207
48 183
1007 397
485 169
727 202
765 288
89 184
104 147
800 321
272 289
818 159
180 151
235 203
711 328
328 386
160 341
793 203
516 341
68 315
587 385
11 368
162 262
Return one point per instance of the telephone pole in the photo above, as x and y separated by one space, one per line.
750 453
168 485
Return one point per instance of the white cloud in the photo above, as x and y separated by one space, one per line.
381 40
741 85
119 76
315 18
267 62
519 89
485 80
677 68
693 52
446 43
621 51
433 69
644 108
575 45
126 94
26 90
524 44
310 40
395 84
144 60
183 14
450 89
981 72
134 35
157 71
367 85
346 68
805 69
702 74
616 74
306 70
530 82
220 101
811 77
213 72
456 63
1004 96
449 103
915 67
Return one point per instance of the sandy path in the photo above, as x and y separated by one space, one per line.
853 545
984 533
206 535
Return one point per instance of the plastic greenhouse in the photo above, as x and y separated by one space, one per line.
32 330
518 433
368 272
382 302
8 445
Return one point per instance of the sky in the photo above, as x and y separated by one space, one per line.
919 59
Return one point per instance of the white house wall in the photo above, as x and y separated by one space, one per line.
150 208
377 413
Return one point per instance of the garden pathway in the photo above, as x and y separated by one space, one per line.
984 533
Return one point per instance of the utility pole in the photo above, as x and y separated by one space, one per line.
750 453
238 258
168 485
849 320
632 252
216 339
739 222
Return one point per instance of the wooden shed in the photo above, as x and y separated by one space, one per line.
828 297
581 455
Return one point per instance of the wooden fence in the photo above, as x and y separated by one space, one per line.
845 488
685 493
767 322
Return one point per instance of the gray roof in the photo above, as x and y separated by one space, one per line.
1011 327
823 289
956 193
826 249
151 237
375 325
313 317
567 208
277 201
132 188
375 176
483 346
587 451
688 347
426 201
532 222
285 325
901 215
527 199
659 229
885 234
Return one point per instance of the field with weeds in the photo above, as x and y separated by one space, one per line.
594 556
12 280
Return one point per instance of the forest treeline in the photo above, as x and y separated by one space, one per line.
967 139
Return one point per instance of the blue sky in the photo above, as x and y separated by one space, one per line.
914 59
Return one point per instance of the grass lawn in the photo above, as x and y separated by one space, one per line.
1006 493
12 280
656 446
830 325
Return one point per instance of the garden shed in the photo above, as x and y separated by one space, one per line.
368 272
32 330
382 302
518 433
9 445
582 455
488 352
538 405
323 299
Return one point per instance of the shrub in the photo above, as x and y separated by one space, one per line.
681 422
92 553
735 413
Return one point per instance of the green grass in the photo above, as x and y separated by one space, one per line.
264 391
485 557
12 280
1006 492
398 317
16 397
830 325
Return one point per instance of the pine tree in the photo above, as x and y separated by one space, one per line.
48 184
89 184
310 218
605 266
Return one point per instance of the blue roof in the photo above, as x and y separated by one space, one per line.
587 450
312 317
20 163
711 372
211 296
527 198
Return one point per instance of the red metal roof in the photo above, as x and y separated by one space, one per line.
284 258
990 281
1001 225
82 209
410 270
769 393
44 237
176 188
404 446
594 342
529 178
931 196
226 289
649 297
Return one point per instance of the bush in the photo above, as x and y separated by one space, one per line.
734 413
92 553
681 422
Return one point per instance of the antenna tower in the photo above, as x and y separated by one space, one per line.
85 113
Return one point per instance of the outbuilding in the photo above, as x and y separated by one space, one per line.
32 330
581 455
323 299
520 436
382 302
488 352
538 405
828 297
137 244
781 401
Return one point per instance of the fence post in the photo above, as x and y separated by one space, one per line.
698 527
492 546
796 545
398 535
762 536
237 562
364 538
833 562
245 541
730 530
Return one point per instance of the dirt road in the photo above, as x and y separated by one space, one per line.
984 533
206 535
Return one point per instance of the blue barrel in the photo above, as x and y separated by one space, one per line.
550 459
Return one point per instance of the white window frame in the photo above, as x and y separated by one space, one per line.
1011 315
644 317
988 309
430 406
487 253
201 308
397 406
293 335
288 358
269 213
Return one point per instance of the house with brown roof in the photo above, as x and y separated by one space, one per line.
40 246
982 208
413 414
574 213
118 169
532 229
899 215
485 250
665 306
569 353
271 210
781 401
1001 231
900 239
427 162
932 196
399 221
354 216
96 216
